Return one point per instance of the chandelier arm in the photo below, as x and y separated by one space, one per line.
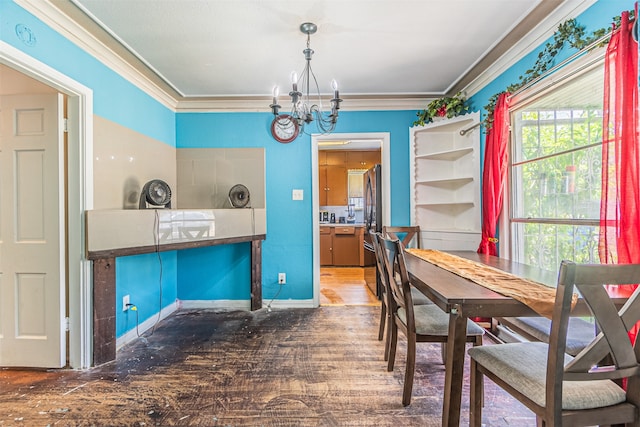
303 109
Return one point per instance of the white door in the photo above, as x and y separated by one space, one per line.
32 273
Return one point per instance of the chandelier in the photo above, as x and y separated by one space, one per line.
306 106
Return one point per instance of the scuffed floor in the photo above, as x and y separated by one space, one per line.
295 367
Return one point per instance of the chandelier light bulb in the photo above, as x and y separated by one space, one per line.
294 80
334 85
276 92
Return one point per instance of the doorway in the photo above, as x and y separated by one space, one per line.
77 157
345 279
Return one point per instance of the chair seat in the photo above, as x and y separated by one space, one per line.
579 334
431 320
523 367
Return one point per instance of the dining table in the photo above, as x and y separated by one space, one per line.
462 299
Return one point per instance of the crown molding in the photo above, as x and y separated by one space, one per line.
261 104
61 19
61 22
531 41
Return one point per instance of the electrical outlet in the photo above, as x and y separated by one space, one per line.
282 278
125 302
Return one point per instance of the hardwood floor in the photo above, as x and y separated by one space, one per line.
345 286
284 367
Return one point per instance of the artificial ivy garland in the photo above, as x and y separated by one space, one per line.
569 33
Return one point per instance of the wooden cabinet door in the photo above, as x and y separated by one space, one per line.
336 158
326 249
322 185
346 246
336 186
370 158
362 159
322 157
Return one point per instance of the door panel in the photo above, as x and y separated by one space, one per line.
32 278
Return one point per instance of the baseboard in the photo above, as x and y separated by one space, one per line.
132 334
225 304
289 303
244 304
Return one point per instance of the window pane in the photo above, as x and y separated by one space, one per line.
560 187
555 172
546 245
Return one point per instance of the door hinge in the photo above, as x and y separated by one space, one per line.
66 324
65 125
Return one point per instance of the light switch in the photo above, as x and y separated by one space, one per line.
297 195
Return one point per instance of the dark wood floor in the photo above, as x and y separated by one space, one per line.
286 367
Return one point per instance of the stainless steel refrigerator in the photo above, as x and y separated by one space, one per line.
372 224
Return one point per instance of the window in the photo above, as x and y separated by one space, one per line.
555 172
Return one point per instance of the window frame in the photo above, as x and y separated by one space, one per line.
543 86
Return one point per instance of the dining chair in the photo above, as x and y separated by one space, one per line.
419 323
418 298
410 235
561 389
580 332
410 239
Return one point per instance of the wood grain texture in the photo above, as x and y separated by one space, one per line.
293 367
345 286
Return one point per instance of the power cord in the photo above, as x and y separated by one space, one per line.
135 308
156 242
274 297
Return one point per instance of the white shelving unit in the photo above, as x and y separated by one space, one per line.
445 183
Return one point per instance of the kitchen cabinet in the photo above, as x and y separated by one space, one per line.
346 250
445 183
341 246
362 159
332 158
332 181
333 168
326 250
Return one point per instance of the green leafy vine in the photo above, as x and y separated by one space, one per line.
569 33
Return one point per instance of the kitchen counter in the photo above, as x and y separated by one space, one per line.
335 224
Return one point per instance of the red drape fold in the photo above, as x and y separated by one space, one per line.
494 174
620 201
619 241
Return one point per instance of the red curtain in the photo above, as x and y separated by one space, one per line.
619 240
620 203
494 174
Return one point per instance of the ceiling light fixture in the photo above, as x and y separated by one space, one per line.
307 105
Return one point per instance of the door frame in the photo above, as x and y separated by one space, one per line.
80 195
356 137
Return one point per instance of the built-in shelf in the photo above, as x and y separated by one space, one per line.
445 182
446 203
446 155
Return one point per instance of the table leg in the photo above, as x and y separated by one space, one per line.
454 369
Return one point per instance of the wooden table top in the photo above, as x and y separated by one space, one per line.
449 291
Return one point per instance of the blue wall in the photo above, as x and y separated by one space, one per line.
289 244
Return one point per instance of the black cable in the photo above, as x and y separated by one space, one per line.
134 308
156 242
275 296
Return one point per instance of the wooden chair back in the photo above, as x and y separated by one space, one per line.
399 285
611 344
408 236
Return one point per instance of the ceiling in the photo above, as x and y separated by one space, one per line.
235 49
